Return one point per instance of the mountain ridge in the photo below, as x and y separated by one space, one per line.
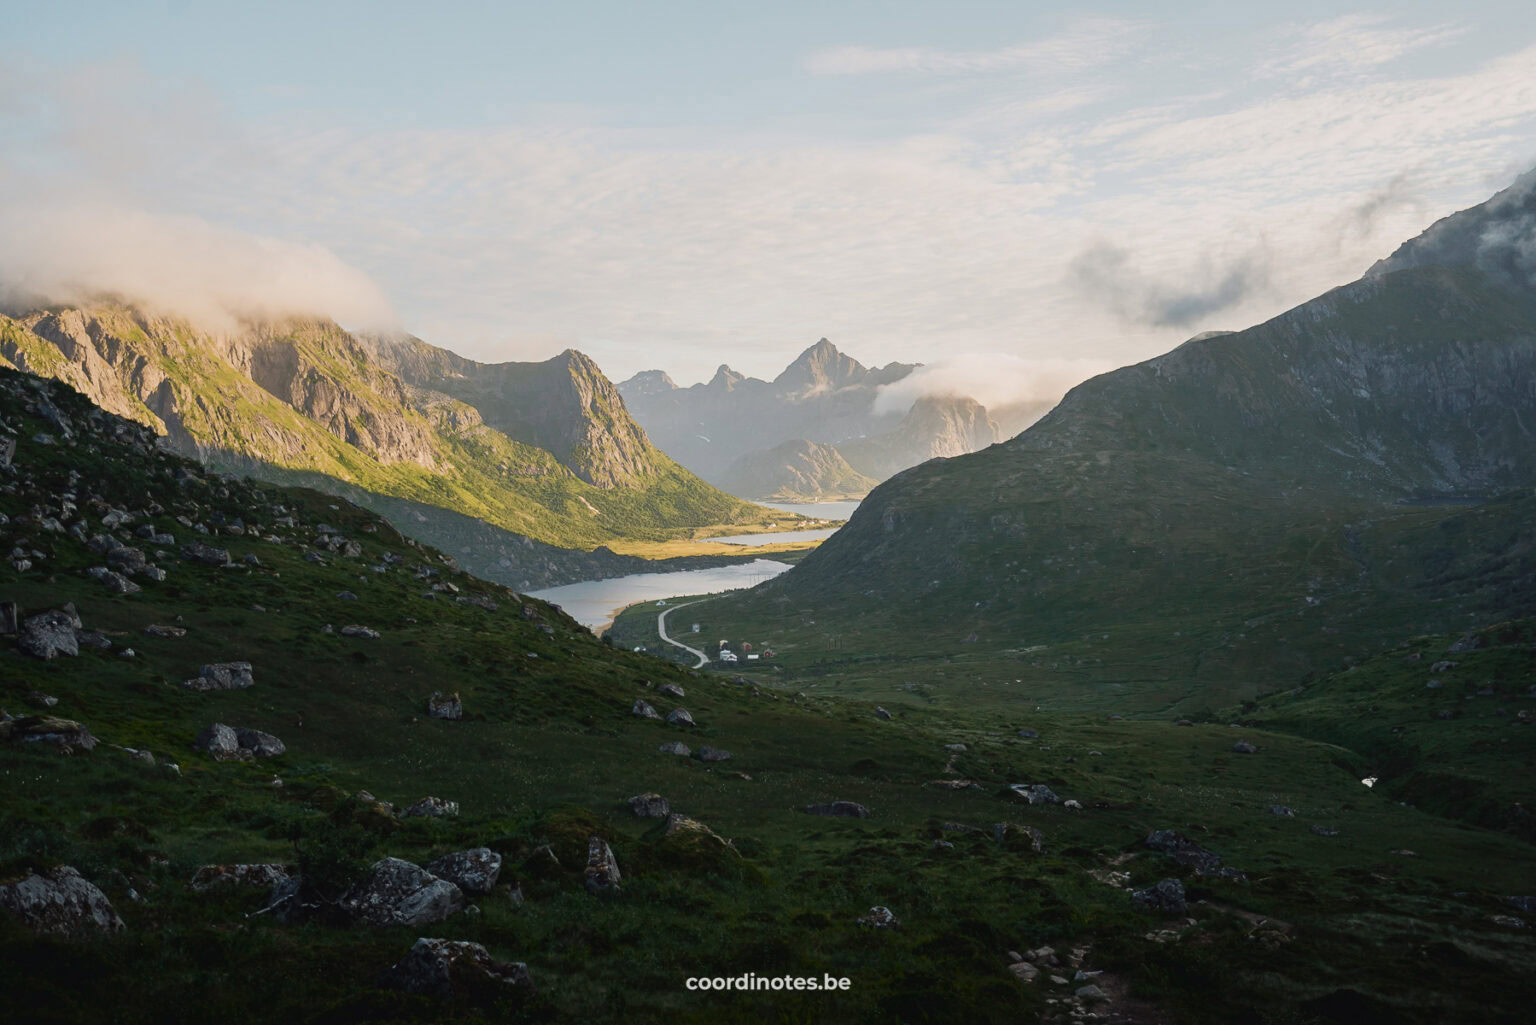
544 451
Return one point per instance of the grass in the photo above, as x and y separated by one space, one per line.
549 752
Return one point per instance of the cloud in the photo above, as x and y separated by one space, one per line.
995 380
1088 43
1105 274
176 264
1353 43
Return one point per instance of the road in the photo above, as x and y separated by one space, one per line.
661 631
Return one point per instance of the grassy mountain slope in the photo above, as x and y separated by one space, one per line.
1221 520
545 451
1345 928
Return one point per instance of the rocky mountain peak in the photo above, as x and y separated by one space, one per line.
647 382
1497 237
819 367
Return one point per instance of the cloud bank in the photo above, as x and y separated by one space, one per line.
995 380
176 264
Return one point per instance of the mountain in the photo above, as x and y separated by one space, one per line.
796 471
728 429
545 453
281 764
1246 510
935 427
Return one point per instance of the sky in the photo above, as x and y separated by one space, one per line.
1029 191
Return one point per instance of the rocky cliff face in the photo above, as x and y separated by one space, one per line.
544 450
796 471
935 427
563 405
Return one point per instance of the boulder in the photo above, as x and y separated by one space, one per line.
222 676
676 747
881 713
445 706
455 969
879 917
670 690
431 808
396 892
220 743
265 876
355 630
680 717
1186 852
114 581
1282 811
126 560
205 554
1035 793
1029 734
844 809
602 872
713 754
650 806
261 745
49 634
474 871
1165 896
1003 832
644 710
162 630
1242 747
60 902
65 734
230 744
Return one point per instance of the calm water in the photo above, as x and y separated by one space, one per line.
593 603
823 510
818 510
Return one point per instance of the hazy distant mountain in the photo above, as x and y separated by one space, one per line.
732 430
1246 508
545 451
796 471
935 427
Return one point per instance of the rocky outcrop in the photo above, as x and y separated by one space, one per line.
602 872
474 871
240 876
65 735
456 969
650 806
431 808
222 676
396 892
49 634
236 744
445 706
60 902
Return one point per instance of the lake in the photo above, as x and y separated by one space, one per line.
594 603
819 510
816 510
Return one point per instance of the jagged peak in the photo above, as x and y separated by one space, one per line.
821 365
648 382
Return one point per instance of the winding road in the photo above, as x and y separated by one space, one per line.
661 631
